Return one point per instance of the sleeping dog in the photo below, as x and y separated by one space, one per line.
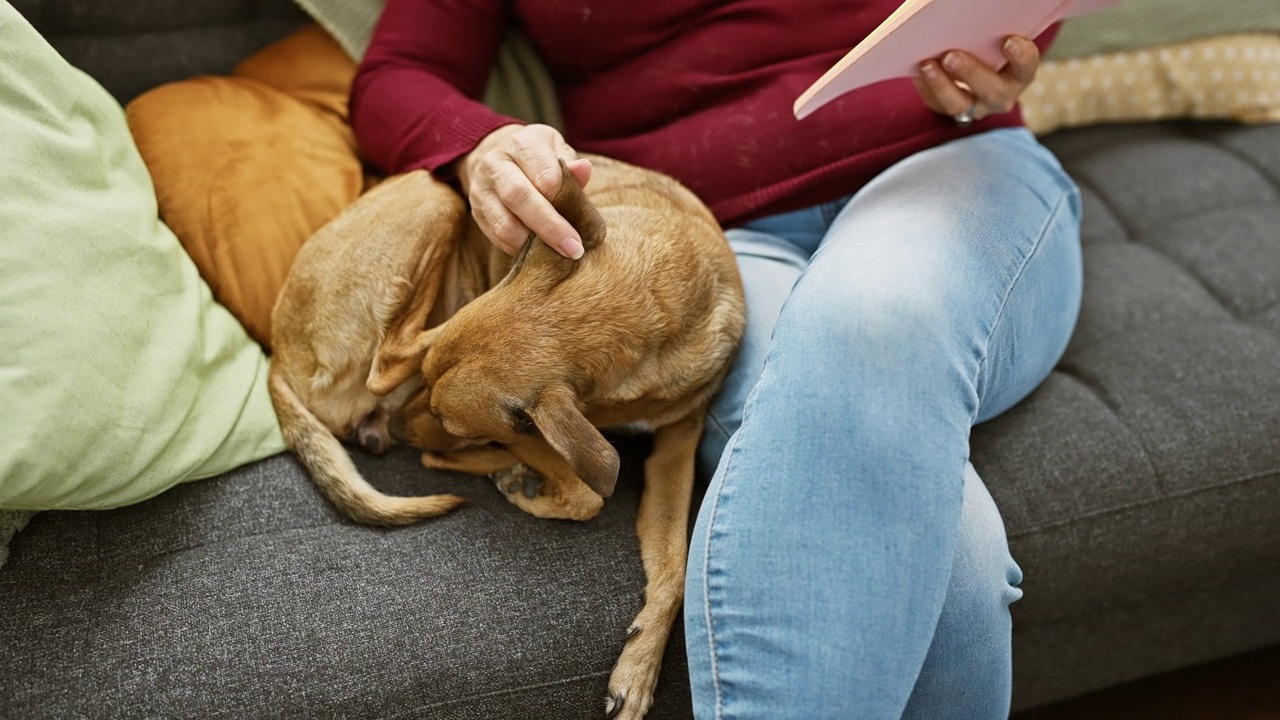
511 368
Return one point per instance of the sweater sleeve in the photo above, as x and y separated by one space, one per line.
415 100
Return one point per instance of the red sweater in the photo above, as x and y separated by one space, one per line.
699 89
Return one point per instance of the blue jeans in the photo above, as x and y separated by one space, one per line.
847 560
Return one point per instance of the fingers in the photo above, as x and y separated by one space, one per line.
943 94
1024 59
511 183
581 171
954 84
499 224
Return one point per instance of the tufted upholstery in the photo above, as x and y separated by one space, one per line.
1139 485
1140 482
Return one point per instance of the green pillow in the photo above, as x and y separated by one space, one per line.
119 374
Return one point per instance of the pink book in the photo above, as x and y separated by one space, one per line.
922 29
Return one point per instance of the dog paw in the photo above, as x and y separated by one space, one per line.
518 478
612 706
527 490
633 680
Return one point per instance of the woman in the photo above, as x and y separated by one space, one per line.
911 262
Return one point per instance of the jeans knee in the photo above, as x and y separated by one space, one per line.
984 576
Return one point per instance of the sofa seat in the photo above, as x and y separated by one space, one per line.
1141 483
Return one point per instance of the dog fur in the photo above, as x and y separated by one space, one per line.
346 286
515 377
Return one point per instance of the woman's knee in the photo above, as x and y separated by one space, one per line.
984 577
969 666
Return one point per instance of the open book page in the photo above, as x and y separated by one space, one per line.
922 29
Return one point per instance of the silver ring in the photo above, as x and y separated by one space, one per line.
966 118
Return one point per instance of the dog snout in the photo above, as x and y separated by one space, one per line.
372 433
370 441
395 428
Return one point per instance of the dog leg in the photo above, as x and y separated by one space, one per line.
505 470
525 485
662 526
484 460
562 495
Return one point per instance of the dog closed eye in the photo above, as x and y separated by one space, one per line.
520 420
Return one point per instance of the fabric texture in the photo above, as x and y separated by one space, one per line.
519 86
1138 24
121 375
251 597
248 166
1227 77
711 91
350 22
148 42
1158 428
11 521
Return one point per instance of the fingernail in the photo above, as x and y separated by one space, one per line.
928 68
1013 46
573 246
952 61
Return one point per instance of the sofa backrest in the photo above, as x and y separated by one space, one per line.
132 45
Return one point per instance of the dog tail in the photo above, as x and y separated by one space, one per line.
333 472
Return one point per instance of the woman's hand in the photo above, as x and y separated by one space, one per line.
963 87
510 178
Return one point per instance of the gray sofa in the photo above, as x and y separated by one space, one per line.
1140 485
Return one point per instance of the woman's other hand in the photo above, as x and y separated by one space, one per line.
510 178
960 85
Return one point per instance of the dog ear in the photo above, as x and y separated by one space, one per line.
570 434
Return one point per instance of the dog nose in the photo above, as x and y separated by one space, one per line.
370 440
395 428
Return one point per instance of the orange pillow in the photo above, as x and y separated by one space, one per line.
246 167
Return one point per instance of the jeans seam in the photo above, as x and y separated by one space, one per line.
1004 302
706 585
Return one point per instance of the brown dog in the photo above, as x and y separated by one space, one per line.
639 333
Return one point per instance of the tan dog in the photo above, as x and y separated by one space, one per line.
639 333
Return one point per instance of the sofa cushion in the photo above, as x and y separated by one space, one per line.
121 376
1225 77
252 597
1139 24
247 166
1141 483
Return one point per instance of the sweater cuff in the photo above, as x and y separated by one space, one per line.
455 128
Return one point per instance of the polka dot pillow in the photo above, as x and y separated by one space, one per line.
1229 77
